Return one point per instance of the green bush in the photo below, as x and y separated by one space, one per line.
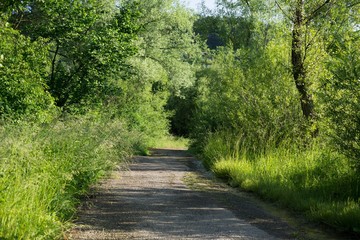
258 103
23 69
342 97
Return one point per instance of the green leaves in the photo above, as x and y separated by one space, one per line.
23 68
90 41
166 38
342 96
257 102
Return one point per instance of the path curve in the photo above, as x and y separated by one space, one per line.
166 196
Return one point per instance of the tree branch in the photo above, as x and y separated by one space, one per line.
52 78
247 3
285 14
308 44
354 4
56 52
316 11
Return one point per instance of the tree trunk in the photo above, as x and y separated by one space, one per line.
297 58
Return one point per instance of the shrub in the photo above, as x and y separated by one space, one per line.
342 97
23 69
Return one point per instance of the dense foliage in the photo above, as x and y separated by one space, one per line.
279 72
342 95
268 92
81 89
89 42
23 70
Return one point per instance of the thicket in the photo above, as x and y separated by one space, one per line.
83 86
23 66
274 108
268 92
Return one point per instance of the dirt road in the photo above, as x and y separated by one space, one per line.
169 196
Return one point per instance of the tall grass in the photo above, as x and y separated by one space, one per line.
45 169
315 180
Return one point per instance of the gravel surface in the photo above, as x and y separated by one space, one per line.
168 195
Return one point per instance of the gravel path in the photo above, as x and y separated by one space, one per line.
168 196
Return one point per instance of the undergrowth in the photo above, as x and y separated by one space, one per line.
314 180
44 169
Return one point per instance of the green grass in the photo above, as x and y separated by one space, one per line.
315 181
44 170
171 142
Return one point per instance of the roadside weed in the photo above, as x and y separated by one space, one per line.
44 170
317 181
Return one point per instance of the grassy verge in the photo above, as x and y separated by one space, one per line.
171 142
45 169
316 181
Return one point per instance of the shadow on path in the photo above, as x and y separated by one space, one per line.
151 201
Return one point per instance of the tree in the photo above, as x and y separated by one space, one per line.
166 38
23 70
164 67
231 23
341 89
298 58
89 40
224 31
309 19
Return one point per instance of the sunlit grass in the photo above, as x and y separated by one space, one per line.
315 180
171 142
45 169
